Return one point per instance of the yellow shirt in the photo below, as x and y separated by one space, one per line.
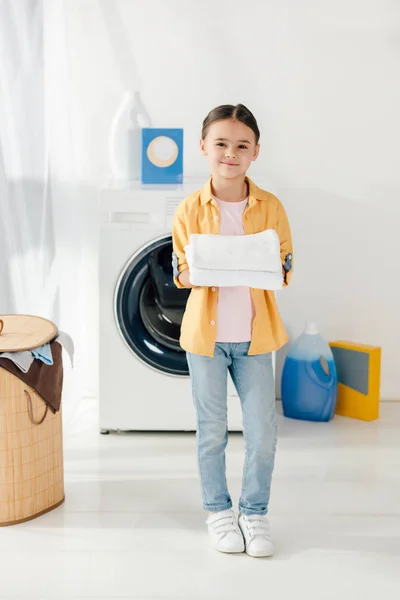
197 214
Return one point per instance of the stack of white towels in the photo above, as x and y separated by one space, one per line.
252 260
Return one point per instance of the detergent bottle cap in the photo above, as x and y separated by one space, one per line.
311 328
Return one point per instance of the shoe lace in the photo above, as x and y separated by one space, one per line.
257 525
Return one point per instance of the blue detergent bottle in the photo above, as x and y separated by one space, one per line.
309 379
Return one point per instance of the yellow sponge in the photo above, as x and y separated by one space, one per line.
359 374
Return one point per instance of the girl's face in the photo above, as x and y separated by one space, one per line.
231 148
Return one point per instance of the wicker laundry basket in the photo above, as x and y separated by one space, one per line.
31 451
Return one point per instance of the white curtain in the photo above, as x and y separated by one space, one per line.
43 224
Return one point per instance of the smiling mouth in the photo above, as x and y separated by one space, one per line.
230 164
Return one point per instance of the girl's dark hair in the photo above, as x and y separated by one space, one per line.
228 111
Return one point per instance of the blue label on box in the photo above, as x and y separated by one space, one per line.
162 155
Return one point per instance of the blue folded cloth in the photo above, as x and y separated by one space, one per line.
44 354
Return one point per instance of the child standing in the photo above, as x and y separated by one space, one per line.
232 329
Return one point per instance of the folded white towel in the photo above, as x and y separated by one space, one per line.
261 280
227 261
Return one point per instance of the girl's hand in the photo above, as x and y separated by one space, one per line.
184 278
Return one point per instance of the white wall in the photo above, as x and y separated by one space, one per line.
322 80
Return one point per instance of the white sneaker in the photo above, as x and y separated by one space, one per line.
224 532
257 534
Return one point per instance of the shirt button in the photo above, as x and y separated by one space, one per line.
212 322
213 289
216 218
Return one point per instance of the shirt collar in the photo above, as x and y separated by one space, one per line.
255 193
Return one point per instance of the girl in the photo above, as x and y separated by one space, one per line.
232 329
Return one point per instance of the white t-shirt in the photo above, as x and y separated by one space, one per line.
235 310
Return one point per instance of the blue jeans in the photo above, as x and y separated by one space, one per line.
254 381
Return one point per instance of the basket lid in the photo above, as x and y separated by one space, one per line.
25 332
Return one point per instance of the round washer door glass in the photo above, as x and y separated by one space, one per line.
149 308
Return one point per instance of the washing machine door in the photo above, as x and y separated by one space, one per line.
149 308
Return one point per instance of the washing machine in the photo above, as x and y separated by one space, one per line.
144 379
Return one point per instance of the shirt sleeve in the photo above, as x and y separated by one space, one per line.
283 230
179 241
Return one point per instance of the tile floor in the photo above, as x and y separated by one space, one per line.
132 525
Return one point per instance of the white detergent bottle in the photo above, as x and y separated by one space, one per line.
125 141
